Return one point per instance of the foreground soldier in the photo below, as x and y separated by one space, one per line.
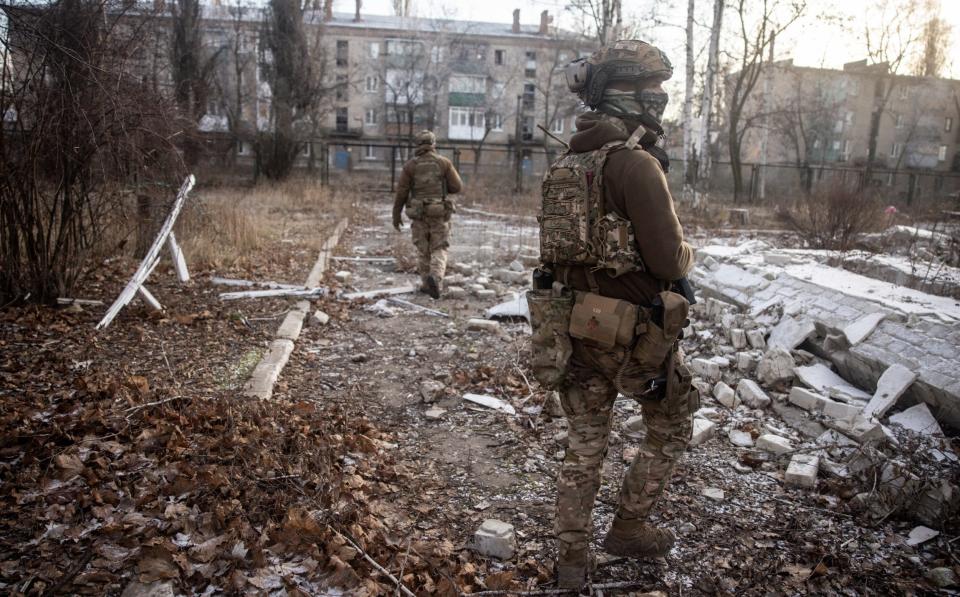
425 182
612 250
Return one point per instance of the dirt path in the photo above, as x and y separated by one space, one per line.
470 463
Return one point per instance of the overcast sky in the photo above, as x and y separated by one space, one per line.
814 41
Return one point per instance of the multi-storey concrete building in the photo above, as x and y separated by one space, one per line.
475 84
809 116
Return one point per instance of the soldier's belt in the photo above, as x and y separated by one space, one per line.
607 322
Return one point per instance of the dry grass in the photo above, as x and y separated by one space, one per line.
222 225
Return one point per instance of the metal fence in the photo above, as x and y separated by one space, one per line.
376 166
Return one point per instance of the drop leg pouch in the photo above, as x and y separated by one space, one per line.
550 320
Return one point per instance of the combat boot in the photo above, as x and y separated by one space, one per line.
433 286
637 539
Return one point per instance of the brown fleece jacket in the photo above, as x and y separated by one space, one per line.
635 188
405 184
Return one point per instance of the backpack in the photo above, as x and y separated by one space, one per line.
575 229
429 189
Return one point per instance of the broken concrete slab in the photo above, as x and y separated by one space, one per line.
515 307
706 369
798 419
291 326
725 395
776 366
714 493
485 294
750 393
891 385
840 410
756 339
268 369
455 292
319 318
790 332
860 330
942 577
431 390
342 276
482 325
738 338
490 402
434 413
858 429
747 362
774 443
703 430
806 399
822 378
918 419
740 438
495 539
802 471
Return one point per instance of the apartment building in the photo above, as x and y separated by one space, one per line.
475 84
814 116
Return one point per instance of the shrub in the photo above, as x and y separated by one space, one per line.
834 217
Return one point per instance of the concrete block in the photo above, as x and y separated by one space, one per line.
840 410
822 379
738 338
702 431
722 362
750 393
714 493
858 429
774 443
798 419
790 332
740 438
482 325
342 276
725 395
455 292
495 539
431 390
776 366
319 318
291 326
918 419
891 385
268 369
486 294
746 362
806 399
706 368
802 470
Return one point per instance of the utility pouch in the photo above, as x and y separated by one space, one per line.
449 207
434 209
666 320
550 319
603 322
414 209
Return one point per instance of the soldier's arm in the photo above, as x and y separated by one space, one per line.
403 191
655 223
454 183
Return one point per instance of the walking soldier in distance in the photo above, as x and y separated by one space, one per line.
424 186
610 300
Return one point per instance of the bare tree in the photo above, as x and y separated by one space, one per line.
759 27
80 122
690 73
557 101
710 78
936 41
235 78
606 17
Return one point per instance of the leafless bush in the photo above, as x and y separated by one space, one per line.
79 128
834 218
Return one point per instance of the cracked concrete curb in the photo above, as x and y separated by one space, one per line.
268 370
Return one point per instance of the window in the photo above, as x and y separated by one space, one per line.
243 148
895 150
343 47
845 155
305 152
853 89
496 121
890 179
341 92
343 120
374 49
556 127
530 68
947 124
467 84
370 117
466 123
838 126
498 56
468 52
369 152
526 128
372 82
899 121
402 47
436 54
816 143
214 108
836 146
529 96
904 92
942 154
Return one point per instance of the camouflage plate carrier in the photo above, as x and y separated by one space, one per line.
429 189
575 229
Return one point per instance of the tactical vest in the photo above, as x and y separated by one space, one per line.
575 228
429 188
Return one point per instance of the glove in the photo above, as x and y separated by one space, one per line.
397 222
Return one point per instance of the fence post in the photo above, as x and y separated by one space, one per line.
911 188
325 166
456 158
393 168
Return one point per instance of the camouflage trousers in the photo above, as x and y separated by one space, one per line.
431 236
587 397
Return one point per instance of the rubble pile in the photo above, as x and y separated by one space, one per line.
770 362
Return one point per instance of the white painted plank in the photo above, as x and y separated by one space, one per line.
250 283
179 261
153 256
276 292
381 292
148 298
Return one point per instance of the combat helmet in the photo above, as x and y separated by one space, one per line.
624 60
425 138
